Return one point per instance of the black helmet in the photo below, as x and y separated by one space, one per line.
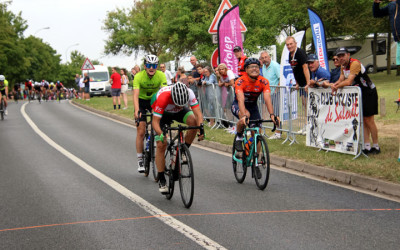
251 60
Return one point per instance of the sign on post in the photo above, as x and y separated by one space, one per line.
223 7
87 65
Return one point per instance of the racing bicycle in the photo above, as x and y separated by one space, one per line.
179 164
149 149
2 108
255 155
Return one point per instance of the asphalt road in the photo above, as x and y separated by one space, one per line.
82 191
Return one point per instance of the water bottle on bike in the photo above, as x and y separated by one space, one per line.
148 143
248 145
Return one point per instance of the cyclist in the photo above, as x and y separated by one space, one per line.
4 92
28 88
51 90
146 83
38 89
45 88
171 103
17 91
247 89
60 88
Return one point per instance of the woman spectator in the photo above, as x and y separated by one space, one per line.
124 87
182 76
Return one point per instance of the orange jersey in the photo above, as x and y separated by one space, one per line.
251 90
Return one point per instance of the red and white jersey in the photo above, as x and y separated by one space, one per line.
163 102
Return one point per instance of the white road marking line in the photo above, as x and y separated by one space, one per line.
184 229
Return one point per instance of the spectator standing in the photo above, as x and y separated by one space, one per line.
196 75
77 80
81 89
271 70
193 85
86 80
182 76
335 73
226 80
391 10
318 74
124 87
241 58
353 73
167 73
115 80
133 73
298 62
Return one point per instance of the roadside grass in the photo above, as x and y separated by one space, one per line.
383 166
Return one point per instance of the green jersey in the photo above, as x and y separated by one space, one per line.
149 86
3 85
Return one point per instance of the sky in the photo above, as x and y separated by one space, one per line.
73 22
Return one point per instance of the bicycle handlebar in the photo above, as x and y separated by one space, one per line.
180 128
140 115
262 120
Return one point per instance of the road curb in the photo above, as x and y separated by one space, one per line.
352 179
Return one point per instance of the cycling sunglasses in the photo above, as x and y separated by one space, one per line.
151 65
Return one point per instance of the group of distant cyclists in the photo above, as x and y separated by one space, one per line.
34 90
178 103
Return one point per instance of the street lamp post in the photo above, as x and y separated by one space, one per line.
66 51
45 28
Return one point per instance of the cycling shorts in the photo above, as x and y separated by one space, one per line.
3 92
167 117
144 106
253 110
37 87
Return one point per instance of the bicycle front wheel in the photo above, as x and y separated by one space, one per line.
261 163
238 163
186 180
2 109
153 158
169 162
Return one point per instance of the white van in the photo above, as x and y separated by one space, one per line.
99 81
362 51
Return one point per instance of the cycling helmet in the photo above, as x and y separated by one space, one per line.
151 59
2 78
180 94
251 60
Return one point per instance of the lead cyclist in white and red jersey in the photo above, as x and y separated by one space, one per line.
170 104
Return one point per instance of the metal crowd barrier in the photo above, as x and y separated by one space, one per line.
289 104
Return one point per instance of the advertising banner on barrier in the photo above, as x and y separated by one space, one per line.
287 80
318 31
229 36
333 121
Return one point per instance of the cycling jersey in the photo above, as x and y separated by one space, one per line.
149 86
162 102
3 84
251 90
361 80
51 85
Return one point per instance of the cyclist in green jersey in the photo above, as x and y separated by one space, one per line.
4 92
146 83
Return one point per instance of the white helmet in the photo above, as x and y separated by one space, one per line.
2 78
180 94
151 59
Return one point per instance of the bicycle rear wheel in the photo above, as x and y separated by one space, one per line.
239 168
186 179
261 163
169 161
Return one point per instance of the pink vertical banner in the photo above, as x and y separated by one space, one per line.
229 36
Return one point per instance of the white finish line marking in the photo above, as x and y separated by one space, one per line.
187 231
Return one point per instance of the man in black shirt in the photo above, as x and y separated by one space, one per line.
298 62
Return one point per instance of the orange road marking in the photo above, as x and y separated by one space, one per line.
201 214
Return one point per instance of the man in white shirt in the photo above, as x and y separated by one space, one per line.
167 73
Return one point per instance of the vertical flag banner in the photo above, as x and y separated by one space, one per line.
229 36
287 80
318 32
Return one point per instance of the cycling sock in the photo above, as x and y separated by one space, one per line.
161 176
188 145
115 106
367 146
375 146
140 157
119 106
